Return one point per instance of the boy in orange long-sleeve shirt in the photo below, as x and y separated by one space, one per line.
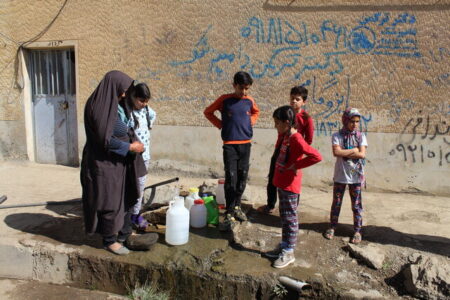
238 115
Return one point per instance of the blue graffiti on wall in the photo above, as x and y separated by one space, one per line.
334 105
379 34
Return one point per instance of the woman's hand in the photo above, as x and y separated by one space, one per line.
137 147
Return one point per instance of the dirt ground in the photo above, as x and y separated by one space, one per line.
399 224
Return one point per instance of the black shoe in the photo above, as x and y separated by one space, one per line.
141 242
228 223
239 214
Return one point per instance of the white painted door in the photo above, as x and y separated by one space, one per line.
52 73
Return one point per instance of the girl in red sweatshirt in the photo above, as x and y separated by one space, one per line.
295 154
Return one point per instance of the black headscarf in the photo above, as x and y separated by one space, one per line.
100 113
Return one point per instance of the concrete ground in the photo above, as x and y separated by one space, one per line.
414 221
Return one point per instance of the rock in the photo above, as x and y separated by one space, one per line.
371 255
365 275
364 294
414 258
157 216
344 276
346 240
254 236
428 278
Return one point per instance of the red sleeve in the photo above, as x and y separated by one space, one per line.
311 155
209 111
254 111
309 132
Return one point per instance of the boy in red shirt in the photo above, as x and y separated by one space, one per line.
305 127
238 115
295 154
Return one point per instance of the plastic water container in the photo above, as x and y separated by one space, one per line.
198 214
193 195
177 223
220 192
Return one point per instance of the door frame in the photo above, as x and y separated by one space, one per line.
27 97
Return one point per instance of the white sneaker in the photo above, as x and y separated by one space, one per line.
285 258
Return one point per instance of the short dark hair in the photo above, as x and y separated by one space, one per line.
242 77
285 113
300 90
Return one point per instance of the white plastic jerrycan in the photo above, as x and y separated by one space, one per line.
177 222
198 214
220 192
193 195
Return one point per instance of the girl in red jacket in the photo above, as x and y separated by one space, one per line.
295 154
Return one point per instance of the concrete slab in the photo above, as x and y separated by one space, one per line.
47 242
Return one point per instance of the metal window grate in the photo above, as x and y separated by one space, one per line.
53 72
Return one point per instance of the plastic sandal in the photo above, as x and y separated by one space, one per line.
121 251
356 239
329 234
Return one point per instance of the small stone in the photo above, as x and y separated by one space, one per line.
371 255
414 258
364 294
365 275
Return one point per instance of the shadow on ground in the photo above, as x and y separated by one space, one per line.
68 228
388 236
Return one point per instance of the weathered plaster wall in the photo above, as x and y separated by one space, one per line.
390 59
198 150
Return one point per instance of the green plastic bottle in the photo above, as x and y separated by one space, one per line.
212 210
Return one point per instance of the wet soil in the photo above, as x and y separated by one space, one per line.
213 266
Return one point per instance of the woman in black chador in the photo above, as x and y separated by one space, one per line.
111 164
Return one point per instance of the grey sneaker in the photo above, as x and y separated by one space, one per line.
284 259
228 223
275 253
239 214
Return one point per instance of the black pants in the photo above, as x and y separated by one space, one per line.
236 160
123 234
271 189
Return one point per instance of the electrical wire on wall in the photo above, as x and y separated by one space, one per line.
21 45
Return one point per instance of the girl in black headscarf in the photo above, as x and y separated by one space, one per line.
110 166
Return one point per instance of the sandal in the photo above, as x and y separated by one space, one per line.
329 234
356 239
120 251
265 209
